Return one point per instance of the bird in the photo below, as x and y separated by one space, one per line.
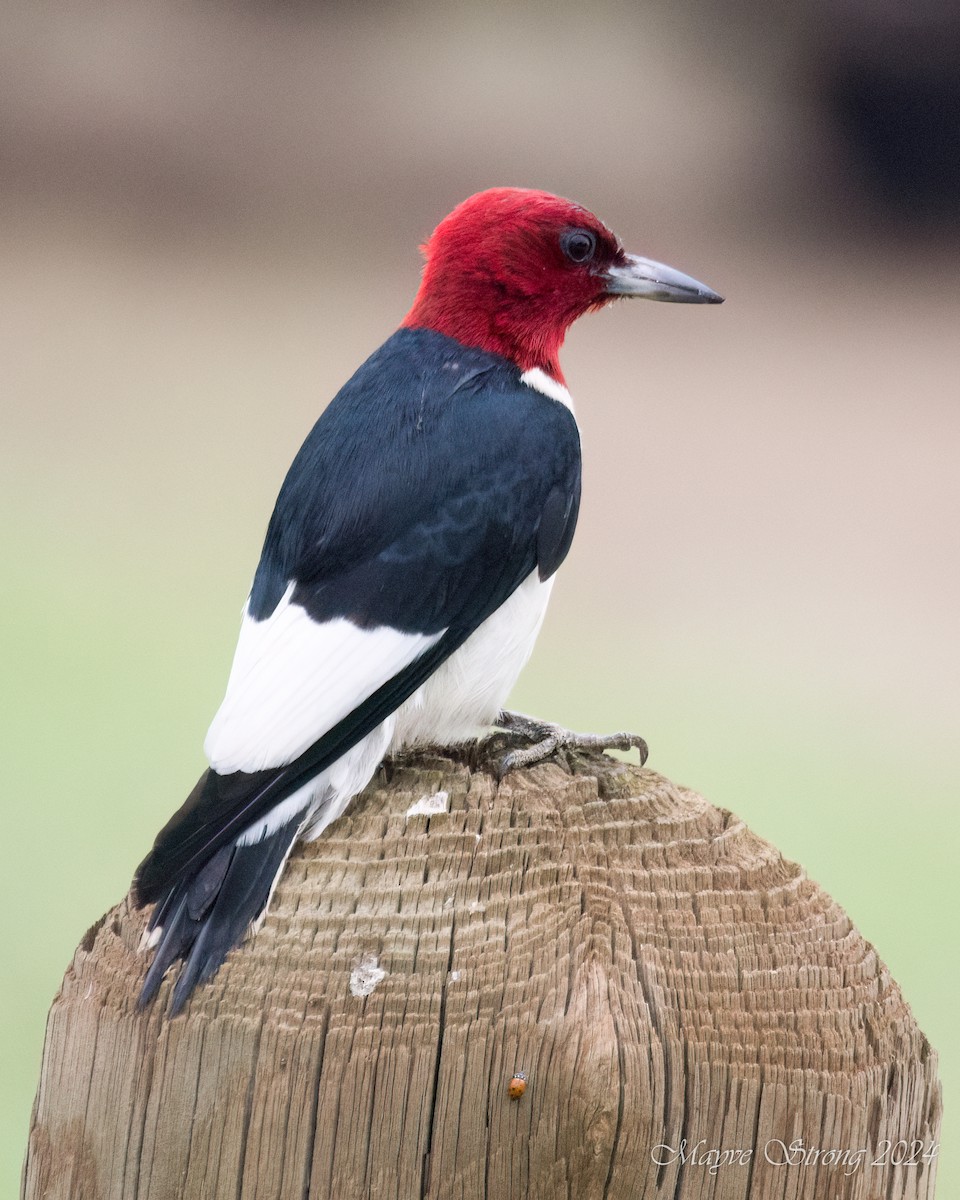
406 567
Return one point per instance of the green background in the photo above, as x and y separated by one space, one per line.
214 217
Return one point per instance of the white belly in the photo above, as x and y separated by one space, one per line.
462 698
466 693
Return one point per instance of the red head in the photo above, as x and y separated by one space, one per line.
510 270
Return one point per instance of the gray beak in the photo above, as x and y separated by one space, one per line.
651 280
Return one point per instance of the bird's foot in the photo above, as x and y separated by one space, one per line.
548 739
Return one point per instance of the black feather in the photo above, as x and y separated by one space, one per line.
205 918
558 520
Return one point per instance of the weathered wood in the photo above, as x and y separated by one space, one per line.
659 972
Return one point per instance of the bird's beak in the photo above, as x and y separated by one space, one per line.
649 280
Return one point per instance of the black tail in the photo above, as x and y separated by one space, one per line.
205 914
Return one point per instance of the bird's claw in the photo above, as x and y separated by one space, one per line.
551 738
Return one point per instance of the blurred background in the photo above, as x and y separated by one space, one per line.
210 216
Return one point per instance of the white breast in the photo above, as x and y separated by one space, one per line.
467 692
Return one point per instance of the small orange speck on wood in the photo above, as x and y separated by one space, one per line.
517 1086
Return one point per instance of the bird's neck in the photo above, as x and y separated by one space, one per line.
513 329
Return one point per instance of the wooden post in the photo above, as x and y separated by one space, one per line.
688 1008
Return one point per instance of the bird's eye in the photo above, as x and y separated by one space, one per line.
579 245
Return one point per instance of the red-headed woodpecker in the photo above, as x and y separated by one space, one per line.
407 565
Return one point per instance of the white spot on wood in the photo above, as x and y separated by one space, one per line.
455 976
429 806
366 974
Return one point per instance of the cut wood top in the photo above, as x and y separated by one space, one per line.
662 976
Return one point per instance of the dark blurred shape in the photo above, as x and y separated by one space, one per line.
891 83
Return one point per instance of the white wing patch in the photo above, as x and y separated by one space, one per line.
294 678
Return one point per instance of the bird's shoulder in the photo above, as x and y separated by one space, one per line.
427 446
423 398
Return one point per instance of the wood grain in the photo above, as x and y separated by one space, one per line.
660 973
